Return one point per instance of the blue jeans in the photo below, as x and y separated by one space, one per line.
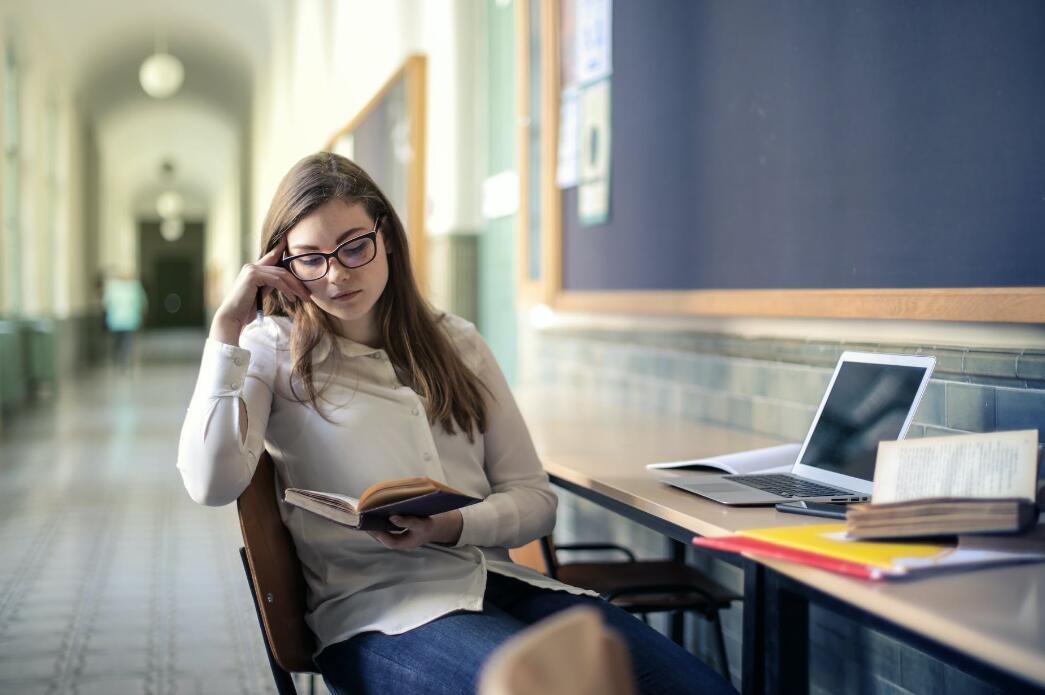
446 655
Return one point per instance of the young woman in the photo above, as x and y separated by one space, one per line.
349 379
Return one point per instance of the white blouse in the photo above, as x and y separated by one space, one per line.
378 429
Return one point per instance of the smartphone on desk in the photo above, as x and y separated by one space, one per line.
825 509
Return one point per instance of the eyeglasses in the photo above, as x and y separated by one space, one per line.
351 253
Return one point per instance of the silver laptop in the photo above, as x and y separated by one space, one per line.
871 398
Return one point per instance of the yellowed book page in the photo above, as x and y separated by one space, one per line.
993 464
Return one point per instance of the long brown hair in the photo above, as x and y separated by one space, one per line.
421 351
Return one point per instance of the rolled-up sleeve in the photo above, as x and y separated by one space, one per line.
215 457
521 506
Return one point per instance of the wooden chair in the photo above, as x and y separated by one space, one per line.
276 583
570 653
638 586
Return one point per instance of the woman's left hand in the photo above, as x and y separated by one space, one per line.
442 528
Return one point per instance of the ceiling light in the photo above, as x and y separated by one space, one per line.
170 205
161 75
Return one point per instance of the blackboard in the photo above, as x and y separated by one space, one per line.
822 145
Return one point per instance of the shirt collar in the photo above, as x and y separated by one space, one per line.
347 348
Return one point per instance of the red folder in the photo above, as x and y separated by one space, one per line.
743 545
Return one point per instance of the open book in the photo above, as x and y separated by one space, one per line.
405 496
975 483
773 459
936 516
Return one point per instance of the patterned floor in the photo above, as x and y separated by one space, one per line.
111 579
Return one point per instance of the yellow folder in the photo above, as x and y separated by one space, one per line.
829 540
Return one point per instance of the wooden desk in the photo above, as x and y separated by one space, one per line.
989 623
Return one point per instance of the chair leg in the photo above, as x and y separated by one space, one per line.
720 645
678 628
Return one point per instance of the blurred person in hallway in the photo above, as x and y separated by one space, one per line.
351 378
125 303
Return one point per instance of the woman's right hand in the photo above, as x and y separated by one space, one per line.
239 307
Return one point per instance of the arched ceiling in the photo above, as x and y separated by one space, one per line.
97 47
99 44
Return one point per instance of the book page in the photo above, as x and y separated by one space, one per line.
993 464
773 459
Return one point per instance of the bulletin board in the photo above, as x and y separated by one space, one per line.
387 138
849 159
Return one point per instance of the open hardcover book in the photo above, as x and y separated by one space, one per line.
420 496
936 516
974 483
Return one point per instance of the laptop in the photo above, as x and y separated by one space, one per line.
871 398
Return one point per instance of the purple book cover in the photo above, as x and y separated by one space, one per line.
376 519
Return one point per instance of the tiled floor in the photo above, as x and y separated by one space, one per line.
111 579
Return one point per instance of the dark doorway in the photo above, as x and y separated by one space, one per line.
172 274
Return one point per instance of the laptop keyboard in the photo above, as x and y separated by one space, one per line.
788 485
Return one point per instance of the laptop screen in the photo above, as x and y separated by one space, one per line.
868 403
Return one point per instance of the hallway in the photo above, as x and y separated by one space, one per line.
132 588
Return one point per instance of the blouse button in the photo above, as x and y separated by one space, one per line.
238 360
427 456
415 411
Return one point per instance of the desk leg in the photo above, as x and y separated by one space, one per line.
786 637
752 676
678 618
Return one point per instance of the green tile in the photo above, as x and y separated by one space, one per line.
948 360
990 363
970 407
1031 365
1019 409
932 410
743 377
765 416
795 421
931 431
915 431
740 412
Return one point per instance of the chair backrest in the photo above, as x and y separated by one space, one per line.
570 653
538 555
530 555
275 572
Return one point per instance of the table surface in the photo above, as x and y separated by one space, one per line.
996 615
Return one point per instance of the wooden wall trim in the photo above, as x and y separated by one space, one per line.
551 196
1008 304
526 289
416 91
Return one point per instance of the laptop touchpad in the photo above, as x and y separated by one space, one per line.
719 487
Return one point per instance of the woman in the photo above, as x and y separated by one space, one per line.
349 379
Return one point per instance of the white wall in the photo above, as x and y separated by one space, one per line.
50 227
204 146
329 59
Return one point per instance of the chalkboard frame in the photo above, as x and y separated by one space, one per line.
414 73
529 284
976 304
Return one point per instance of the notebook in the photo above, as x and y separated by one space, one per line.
872 397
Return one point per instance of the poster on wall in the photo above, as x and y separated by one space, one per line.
593 195
594 27
566 170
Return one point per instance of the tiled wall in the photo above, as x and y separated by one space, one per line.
773 386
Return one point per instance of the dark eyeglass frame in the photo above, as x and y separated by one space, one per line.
372 235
